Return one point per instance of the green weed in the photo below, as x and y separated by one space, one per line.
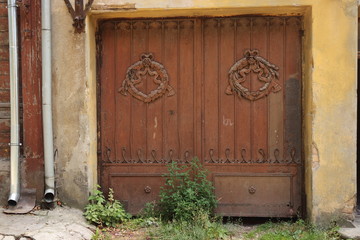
100 235
105 212
300 230
200 228
186 192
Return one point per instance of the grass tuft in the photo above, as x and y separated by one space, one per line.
299 230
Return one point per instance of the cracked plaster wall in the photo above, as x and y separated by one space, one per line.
329 109
71 120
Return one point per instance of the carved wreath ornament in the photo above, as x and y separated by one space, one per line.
266 73
136 73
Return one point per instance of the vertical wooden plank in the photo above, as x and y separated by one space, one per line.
155 109
186 89
259 106
108 92
138 108
243 106
198 90
276 111
211 88
123 103
293 87
31 90
227 110
171 140
33 149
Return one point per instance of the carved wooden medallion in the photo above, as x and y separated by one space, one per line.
150 68
266 73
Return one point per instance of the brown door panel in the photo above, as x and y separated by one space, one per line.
227 90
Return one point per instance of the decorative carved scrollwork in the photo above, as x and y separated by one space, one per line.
171 155
266 73
263 157
146 67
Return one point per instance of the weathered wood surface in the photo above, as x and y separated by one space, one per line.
249 134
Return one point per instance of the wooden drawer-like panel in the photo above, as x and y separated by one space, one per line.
254 194
135 190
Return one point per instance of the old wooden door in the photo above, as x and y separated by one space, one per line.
227 90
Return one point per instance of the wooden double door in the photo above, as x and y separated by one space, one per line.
225 90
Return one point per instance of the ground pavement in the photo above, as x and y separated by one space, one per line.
64 223
351 231
61 223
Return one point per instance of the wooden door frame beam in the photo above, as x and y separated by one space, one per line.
30 37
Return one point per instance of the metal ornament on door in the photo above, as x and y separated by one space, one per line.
265 71
146 66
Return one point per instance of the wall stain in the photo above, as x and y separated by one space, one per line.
349 7
315 157
80 179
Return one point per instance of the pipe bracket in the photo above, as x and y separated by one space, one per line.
12 5
15 144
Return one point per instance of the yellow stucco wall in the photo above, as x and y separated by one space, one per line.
329 109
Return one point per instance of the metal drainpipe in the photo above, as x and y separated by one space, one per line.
14 105
46 101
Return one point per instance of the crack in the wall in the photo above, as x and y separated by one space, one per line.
315 157
349 206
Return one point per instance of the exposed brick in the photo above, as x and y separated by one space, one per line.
4 68
4 53
4 81
4 150
4 95
5 132
4 24
5 123
3 9
4 136
4 38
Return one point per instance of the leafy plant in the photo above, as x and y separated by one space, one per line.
151 210
187 192
105 212
100 235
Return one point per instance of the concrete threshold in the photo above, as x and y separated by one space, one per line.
352 231
57 224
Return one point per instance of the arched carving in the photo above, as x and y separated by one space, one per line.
266 73
134 76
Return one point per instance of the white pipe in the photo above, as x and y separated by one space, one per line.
14 105
46 101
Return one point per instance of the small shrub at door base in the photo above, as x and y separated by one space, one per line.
186 193
107 213
186 204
